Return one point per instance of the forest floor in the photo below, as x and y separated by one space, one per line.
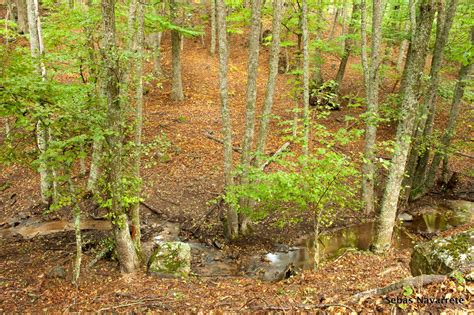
179 188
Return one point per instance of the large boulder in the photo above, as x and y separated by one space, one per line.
171 259
442 256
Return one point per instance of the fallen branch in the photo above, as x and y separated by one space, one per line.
464 154
31 230
126 304
305 307
413 281
210 136
272 158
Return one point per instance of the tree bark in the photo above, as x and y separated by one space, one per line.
37 52
428 110
403 48
22 16
249 128
139 34
306 111
157 43
213 27
270 89
449 132
177 83
348 44
232 221
372 93
386 219
127 256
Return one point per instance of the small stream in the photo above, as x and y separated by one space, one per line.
278 265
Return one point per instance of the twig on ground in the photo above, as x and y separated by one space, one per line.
210 136
412 281
131 303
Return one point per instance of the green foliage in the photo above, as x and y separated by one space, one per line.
322 183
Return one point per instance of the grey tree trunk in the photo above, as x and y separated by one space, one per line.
94 167
249 128
348 43
372 95
77 231
386 219
157 70
138 44
464 73
403 48
232 221
334 23
306 111
22 16
213 14
177 83
127 256
428 110
37 52
270 89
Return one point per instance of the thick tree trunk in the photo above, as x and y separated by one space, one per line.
449 132
177 83
270 89
213 14
348 43
372 94
127 256
428 110
232 221
249 128
22 16
386 219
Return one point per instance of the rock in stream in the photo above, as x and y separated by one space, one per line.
443 255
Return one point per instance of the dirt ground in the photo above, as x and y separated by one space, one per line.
180 189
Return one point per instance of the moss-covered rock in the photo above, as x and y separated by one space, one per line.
442 256
171 259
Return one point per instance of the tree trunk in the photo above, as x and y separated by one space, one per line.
177 83
306 113
22 16
464 73
403 48
348 43
372 94
158 72
127 256
270 89
388 210
232 221
139 34
252 70
334 24
213 27
37 52
94 168
428 111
